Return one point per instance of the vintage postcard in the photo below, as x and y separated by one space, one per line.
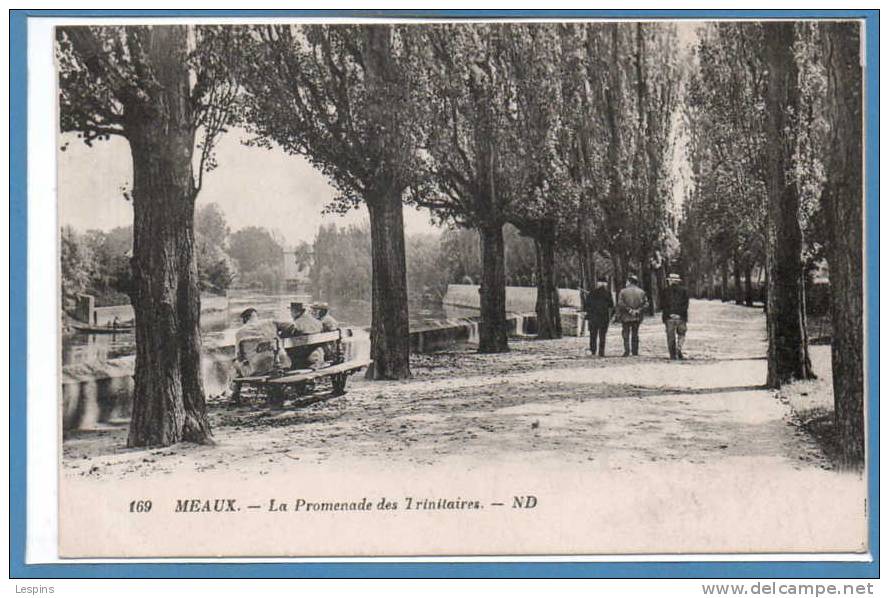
460 288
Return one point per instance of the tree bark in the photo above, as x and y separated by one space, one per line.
619 273
549 321
587 261
723 289
748 285
645 275
492 333
842 200
787 355
168 398
736 266
390 333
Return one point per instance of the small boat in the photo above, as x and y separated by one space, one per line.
108 329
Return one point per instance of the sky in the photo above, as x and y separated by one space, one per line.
252 186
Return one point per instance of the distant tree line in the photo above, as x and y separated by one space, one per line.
97 262
341 262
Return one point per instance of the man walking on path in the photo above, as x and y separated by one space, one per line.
598 306
631 302
674 301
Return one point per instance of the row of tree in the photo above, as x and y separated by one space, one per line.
774 126
565 131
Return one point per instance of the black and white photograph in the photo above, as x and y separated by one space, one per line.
381 287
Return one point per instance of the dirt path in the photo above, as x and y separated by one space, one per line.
545 401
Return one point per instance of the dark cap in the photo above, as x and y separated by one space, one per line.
297 305
632 278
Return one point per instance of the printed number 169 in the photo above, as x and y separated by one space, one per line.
140 506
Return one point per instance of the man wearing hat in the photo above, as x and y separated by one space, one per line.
255 345
321 311
598 307
674 301
631 302
303 323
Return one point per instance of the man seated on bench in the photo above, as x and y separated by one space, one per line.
256 345
303 323
321 311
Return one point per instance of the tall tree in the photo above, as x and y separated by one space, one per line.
612 45
658 81
724 217
788 356
164 89
470 144
343 96
842 200
547 192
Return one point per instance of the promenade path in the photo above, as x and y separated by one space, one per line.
543 399
692 455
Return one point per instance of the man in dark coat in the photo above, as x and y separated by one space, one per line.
598 306
674 301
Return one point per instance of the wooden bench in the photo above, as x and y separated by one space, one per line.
279 384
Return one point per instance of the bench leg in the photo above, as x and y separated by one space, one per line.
275 396
339 384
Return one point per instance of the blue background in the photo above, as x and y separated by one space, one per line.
18 224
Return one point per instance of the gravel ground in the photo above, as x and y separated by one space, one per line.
811 402
544 401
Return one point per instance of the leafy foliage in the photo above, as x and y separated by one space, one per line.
308 90
107 83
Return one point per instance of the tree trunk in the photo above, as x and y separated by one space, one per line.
168 397
619 274
842 199
739 297
492 336
723 289
587 261
748 285
660 283
645 275
549 321
787 355
390 334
